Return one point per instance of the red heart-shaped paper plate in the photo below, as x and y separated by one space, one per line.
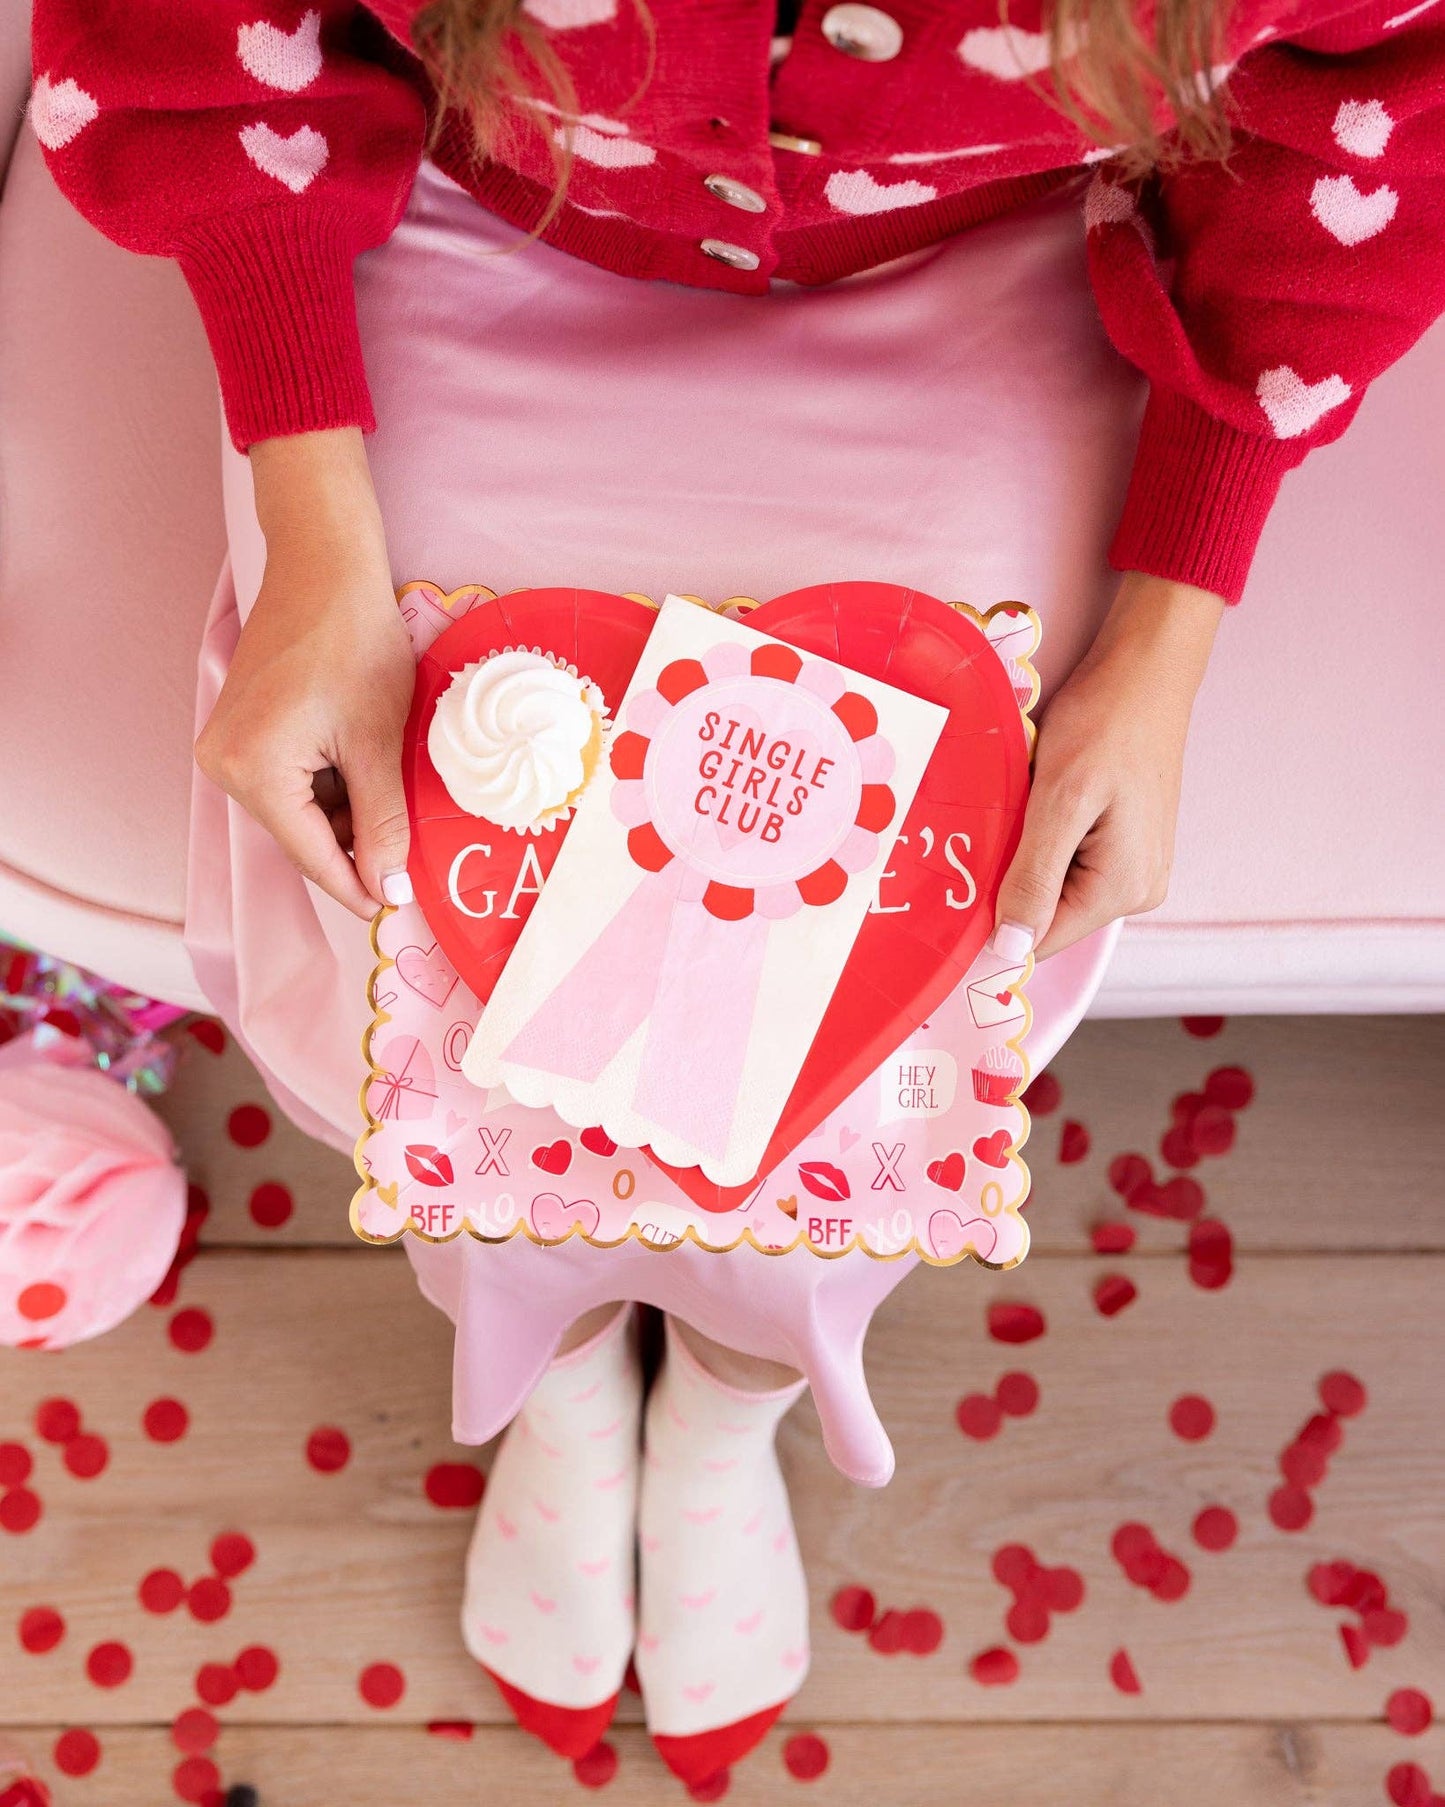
476 884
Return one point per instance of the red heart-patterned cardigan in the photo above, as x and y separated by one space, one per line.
264 143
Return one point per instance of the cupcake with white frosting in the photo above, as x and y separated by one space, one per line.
516 738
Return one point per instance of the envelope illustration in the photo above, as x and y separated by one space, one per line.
995 999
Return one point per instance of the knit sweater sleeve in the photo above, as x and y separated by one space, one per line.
250 141
1262 296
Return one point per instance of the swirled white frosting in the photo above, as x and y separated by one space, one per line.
509 738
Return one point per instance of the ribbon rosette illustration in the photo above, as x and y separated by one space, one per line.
754 787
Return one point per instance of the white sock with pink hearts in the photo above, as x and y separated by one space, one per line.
723 1630
549 1606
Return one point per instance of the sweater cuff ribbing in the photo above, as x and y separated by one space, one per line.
274 289
1199 497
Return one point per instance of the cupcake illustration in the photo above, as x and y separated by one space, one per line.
997 1076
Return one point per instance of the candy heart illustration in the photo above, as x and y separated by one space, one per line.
285 60
553 1157
552 1219
476 884
993 1150
597 1141
428 972
295 162
949 1235
948 1172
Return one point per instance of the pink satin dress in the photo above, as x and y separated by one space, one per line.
956 421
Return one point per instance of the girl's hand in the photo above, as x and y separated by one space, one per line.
1098 838
306 733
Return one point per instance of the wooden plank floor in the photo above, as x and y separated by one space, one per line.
1247 1696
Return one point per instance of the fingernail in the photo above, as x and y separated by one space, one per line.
396 888
1012 942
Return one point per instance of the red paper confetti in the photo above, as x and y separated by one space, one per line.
208 1032
165 1421
1408 1786
162 1591
713 1789
995 1668
1043 1094
1230 1087
1011 1322
979 1416
1290 1507
1017 1395
1323 1432
1329 1582
921 1631
1014 1566
461 1729
853 1608
248 1125
454 1484
1128 1173
76 1752
109 1665
598 1767
1112 1293
41 1629
1384 1627
1357 1646
191 1330
217 1684
381 1685
1212 1130
1027 1621
805 1756
1343 1395
232 1553
194 1731
1113 1238
270 1205
1303 1465
328 1449
16 1463
1191 1417
1216 1528
57 1420
1123 1675
1062 1589
1073 1143
1149 1566
1202 1027
86 1456
195 1779
1409 1712
256 1668
19 1510
1211 1254
209 1599
886 1634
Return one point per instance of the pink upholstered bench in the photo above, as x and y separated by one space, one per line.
1310 875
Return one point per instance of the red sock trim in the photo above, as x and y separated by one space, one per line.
700 1756
570 1731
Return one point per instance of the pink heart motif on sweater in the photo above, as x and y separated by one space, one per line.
427 972
553 1219
294 162
285 60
